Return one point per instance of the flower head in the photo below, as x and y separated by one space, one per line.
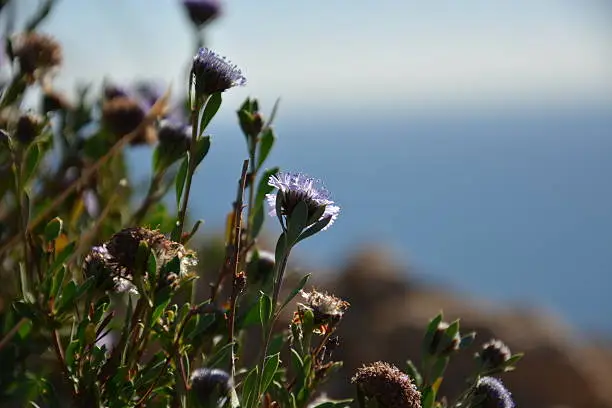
37 53
116 259
210 386
28 127
491 393
202 11
327 309
494 354
122 115
296 187
388 385
212 73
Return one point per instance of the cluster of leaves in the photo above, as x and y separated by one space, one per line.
99 310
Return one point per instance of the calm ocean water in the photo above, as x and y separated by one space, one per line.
511 207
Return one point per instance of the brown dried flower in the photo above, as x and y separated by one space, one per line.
37 53
123 115
327 309
494 354
388 385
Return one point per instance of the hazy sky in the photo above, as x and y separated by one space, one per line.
443 53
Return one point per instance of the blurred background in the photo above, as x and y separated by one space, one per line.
471 140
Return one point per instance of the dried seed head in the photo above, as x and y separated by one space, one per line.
37 53
327 309
389 386
28 127
123 115
494 354
202 11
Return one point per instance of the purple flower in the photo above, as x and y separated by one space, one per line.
202 11
213 73
297 187
491 393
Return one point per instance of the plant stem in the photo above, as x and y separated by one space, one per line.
6 339
236 286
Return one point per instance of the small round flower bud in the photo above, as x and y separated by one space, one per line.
37 53
28 127
491 393
201 12
210 386
390 387
261 270
494 354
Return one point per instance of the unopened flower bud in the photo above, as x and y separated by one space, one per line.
441 344
28 127
37 53
494 354
201 12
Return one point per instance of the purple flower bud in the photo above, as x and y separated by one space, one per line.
202 11
213 73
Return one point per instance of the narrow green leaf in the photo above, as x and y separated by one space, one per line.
30 162
159 309
272 363
264 188
296 290
265 146
201 149
313 229
180 181
223 355
413 372
297 221
258 221
265 309
249 392
210 110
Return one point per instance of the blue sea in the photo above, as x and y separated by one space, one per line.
508 206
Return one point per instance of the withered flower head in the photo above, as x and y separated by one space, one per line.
388 385
28 127
327 309
118 256
123 115
491 393
37 53
494 354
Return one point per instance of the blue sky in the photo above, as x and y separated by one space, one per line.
359 53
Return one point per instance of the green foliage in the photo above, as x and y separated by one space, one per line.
101 306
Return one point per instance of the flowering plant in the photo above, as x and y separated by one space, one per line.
102 305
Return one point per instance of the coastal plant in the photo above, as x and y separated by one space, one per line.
102 304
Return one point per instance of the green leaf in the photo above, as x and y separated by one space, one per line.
439 368
297 221
335 404
180 181
218 359
258 220
58 280
201 149
249 392
265 309
295 290
429 334
272 363
467 340
316 227
264 188
413 372
30 162
265 146
210 110
159 309
428 398
53 229
67 297
62 256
